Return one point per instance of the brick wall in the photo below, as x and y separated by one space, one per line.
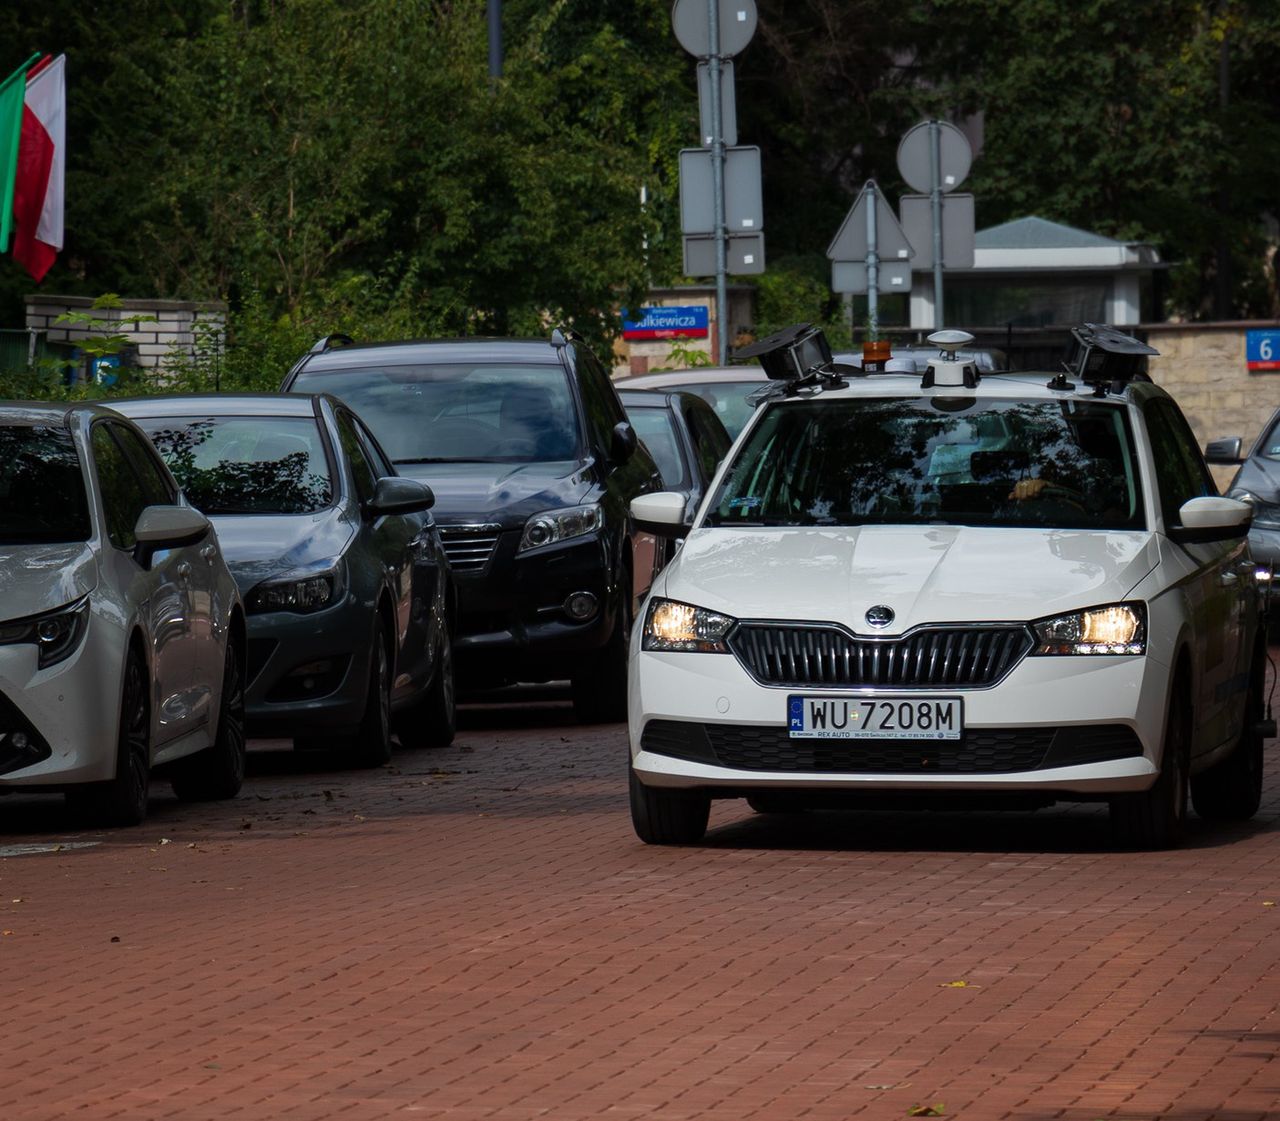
1203 366
173 328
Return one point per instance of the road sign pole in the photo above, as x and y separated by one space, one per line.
873 266
935 179
717 181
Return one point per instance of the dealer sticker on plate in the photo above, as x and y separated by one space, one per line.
875 718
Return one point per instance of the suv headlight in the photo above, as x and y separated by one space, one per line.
55 635
1264 513
559 525
302 594
669 625
1117 628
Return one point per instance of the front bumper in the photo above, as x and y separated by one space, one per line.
69 713
512 620
1069 726
307 673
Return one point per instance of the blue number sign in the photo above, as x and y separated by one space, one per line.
1262 349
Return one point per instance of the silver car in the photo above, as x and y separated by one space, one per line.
121 631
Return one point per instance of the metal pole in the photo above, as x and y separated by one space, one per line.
717 180
935 196
495 39
873 264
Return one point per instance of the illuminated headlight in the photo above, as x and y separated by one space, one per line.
300 594
681 626
559 525
55 635
1119 628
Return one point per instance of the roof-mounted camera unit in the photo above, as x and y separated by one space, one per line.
947 371
798 356
1106 358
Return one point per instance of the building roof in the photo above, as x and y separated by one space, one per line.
1038 233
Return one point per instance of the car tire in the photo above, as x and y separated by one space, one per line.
600 687
433 721
123 799
1156 818
662 816
371 744
217 772
1232 789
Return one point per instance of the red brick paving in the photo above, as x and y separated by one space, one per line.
475 933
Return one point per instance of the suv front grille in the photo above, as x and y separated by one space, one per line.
469 547
802 655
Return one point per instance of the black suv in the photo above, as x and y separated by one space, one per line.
534 465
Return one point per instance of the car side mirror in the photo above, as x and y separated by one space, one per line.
393 495
1209 519
166 527
661 514
1226 450
622 443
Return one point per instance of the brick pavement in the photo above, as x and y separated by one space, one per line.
475 933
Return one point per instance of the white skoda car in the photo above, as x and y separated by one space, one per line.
121 632
958 590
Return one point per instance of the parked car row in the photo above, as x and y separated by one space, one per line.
186 571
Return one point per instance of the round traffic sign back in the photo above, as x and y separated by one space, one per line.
689 20
956 157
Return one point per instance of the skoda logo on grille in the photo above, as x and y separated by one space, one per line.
880 615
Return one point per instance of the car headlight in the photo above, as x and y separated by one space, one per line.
55 635
301 594
1264 513
1117 628
669 625
559 525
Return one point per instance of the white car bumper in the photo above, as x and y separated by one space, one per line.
1078 708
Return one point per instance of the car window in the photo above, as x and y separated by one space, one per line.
377 459
728 400
1180 470
656 427
946 461
604 409
459 413
157 489
365 477
1269 445
42 494
245 464
710 441
123 497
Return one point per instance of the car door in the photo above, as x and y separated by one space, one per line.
160 593
386 540
1216 594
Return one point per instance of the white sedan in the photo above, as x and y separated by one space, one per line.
954 590
121 631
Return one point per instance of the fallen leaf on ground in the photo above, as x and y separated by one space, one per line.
934 1110
887 1086
165 841
958 985
1268 903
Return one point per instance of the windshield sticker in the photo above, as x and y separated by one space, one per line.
747 503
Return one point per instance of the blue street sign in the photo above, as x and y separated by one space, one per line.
666 323
1262 349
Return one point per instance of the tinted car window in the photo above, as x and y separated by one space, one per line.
42 495
728 399
961 461
710 440
123 498
657 431
155 487
366 477
459 413
245 465
1180 471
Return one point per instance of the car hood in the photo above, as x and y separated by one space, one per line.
504 493
925 574
261 546
39 578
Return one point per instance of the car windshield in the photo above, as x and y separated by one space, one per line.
729 399
1269 445
656 428
936 460
42 495
460 413
245 464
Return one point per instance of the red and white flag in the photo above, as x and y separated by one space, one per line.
38 191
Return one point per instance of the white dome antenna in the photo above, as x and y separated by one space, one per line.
949 371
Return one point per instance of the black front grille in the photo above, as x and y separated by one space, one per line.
469 547
20 744
786 654
979 751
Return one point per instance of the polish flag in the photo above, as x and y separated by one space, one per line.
38 190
